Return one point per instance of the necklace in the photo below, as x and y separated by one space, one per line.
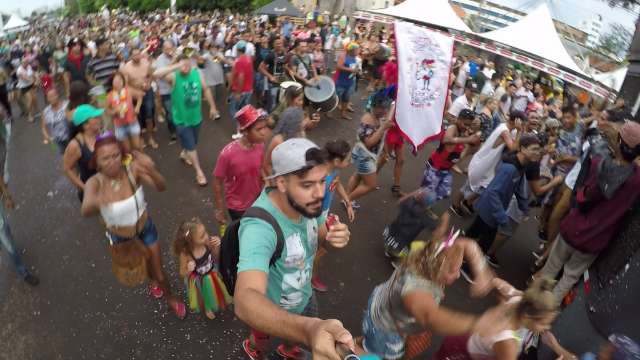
115 184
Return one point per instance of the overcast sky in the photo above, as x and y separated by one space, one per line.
572 12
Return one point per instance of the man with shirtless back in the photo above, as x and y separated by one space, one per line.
138 73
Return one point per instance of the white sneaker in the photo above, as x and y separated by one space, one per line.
236 136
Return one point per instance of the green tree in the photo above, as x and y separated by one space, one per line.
616 40
257 4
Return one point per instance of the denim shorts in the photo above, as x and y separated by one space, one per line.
147 109
386 344
345 93
188 136
148 235
363 161
127 131
437 182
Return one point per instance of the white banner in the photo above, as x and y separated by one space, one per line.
424 62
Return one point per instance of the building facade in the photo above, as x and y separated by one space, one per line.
486 16
593 28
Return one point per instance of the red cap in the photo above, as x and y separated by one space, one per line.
247 116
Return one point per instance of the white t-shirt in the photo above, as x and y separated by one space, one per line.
463 74
482 347
458 105
482 167
250 50
488 72
24 72
522 99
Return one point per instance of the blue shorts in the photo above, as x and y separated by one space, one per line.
345 93
188 136
127 131
148 235
363 161
386 344
437 182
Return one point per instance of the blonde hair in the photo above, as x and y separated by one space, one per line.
184 235
538 300
424 258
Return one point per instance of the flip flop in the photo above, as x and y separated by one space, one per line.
185 159
202 181
179 309
156 291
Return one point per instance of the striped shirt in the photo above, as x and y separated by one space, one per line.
102 69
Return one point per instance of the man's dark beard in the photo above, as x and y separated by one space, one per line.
302 210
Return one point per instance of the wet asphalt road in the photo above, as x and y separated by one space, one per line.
79 311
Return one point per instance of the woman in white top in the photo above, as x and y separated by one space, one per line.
526 315
26 82
115 192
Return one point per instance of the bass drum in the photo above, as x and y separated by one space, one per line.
321 96
283 88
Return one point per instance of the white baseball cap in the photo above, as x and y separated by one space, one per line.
291 156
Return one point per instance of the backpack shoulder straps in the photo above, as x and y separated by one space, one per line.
262 214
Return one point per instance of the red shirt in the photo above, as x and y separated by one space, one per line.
243 65
122 103
591 230
47 82
240 169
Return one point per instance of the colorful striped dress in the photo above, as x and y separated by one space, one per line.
205 289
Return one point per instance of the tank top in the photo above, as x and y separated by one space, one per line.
345 79
186 99
204 264
443 159
83 163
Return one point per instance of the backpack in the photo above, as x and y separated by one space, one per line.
230 246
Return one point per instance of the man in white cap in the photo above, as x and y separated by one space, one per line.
277 300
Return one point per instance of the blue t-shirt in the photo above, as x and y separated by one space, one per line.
346 79
473 69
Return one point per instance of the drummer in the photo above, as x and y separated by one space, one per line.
272 67
299 66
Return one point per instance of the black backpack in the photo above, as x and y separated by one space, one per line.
230 246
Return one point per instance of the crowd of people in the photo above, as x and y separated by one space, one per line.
111 79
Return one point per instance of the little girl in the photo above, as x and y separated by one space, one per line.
198 253
120 107
339 158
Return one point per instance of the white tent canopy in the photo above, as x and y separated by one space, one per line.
434 12
613 79
15 23
536 35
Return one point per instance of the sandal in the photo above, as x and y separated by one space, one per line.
293 353
201 180
153 143
179 309
156 291
395 190
185 159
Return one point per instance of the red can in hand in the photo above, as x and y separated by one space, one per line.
332 219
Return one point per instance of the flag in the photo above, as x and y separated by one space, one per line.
424 63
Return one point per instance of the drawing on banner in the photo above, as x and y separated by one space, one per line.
424 61
430 65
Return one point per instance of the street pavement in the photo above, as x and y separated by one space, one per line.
79 311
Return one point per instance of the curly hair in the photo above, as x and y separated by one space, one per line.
538 300
184 236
